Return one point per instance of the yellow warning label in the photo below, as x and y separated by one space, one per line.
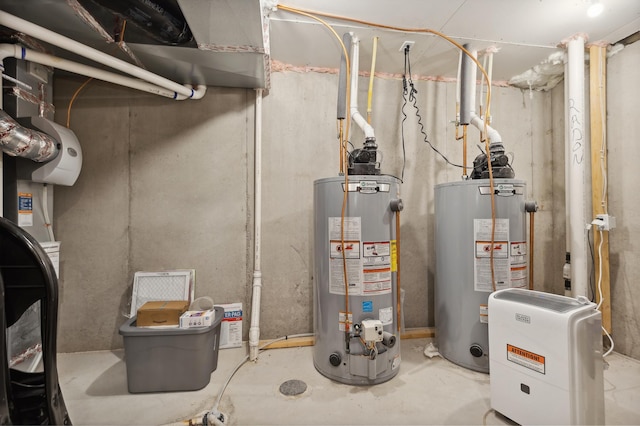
526 358
394 256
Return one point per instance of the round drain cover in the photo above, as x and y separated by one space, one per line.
293 387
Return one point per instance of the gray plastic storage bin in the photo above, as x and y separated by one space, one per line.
170 359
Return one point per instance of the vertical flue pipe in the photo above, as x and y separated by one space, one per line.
254 330
567 187
467 87
576 161
355 114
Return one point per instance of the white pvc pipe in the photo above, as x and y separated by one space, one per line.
484 65
254 330
458 82
470 90
472 79
355 115
63 42
567 187
576 161
16 51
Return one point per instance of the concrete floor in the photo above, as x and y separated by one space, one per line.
426 391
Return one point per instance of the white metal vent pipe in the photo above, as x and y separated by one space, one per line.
66 43
355 114
576 161
254 330
18 52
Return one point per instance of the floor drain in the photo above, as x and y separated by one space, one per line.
293 387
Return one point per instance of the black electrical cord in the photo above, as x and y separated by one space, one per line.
404 114
592 278
409 89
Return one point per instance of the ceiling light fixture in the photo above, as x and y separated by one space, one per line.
595 9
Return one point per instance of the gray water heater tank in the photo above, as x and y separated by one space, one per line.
463 280
370 353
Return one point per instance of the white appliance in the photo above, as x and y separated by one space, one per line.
545 358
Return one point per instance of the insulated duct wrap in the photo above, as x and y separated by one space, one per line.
19 141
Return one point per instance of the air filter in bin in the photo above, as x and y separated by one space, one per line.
163 285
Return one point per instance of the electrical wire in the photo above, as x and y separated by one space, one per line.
408 89
45 211
484 418
603 148
73 98
77 92
601 299
592 284
608 352
242 362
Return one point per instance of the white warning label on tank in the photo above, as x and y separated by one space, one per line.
482 229
376 267
345 251
518 252
385 315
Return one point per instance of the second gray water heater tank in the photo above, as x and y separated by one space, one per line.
463 268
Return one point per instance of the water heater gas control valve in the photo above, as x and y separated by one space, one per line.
372 331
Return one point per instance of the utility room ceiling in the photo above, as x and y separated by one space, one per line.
523 32
233 42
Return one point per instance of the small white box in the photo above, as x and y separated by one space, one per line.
197 318
372 330
231 327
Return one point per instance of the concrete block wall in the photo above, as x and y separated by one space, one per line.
623 128
163 186
170 185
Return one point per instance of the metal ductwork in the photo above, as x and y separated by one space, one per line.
19 141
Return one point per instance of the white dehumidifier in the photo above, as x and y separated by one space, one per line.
545 358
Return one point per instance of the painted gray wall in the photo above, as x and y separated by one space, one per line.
169 184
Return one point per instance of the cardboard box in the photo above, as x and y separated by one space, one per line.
197 318
231 329
161 313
